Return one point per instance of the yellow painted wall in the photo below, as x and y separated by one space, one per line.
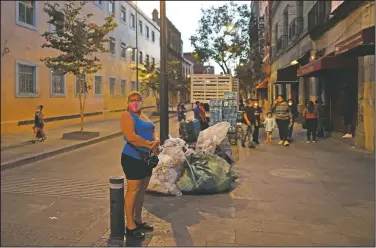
25 44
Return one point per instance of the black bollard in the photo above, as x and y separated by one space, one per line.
117 218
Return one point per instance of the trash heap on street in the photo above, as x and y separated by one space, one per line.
207 169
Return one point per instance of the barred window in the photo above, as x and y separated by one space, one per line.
79 85
123 88
133 86
147 32
27 79
112 45
112 86
133 21
98 85
123 14
123 49
26 12
140 27
152 36
111 7
57 83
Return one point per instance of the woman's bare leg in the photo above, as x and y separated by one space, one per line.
140 200
133 189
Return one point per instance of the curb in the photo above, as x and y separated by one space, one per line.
41 156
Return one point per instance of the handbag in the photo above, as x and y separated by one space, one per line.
149 157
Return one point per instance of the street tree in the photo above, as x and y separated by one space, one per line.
77 40
222 35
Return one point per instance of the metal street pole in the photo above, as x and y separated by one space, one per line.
163 88
137 53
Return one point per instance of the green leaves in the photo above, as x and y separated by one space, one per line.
75 37
222 35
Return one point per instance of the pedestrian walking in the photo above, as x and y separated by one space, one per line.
204 122
283 119
141 143
181 112
294 114
38 128
310 116
269 124
320 118
257 119
247 126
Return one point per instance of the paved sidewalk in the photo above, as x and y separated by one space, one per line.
304 195
18 149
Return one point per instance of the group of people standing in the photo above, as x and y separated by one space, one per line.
286 115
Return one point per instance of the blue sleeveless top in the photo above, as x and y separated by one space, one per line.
144 129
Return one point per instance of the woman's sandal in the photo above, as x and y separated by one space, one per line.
144 226
134 233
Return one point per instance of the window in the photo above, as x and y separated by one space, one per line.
111 7
140 27
112 86
98 85
26 14
133 21
147 32
141 58
57 83
147 59
123 14
153 61
26 82
99 3
152 36
112 46
133 86
78 84
123 88
133 54
123 50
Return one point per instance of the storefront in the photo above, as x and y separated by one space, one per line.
287 82
262 93
336 84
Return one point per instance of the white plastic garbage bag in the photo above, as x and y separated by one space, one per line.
210 138
170 167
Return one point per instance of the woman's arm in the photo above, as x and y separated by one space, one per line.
127 127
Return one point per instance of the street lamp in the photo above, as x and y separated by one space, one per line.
163 88
135 51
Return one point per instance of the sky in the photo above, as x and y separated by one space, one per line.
185 16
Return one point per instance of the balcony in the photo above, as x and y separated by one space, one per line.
318 15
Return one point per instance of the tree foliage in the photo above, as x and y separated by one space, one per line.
77 40
222 35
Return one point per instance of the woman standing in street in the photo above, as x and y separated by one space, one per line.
283 118
310 116
139 133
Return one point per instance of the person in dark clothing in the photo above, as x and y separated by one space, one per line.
294 115
257 118
320 118
310 116
39 125
197 111
283 118
241 103
247 126
181 112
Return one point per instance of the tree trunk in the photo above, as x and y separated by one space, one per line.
82 106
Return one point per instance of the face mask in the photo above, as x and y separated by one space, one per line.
290 103
135 106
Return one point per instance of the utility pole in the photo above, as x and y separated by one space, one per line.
163 88
137 52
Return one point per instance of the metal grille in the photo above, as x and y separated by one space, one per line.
98 85
112 86
26 79
26 12
58 84
123 88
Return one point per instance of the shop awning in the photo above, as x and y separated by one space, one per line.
360 44
325 63
287 75
263 85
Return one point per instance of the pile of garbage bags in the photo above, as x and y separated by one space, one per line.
189 130
205 170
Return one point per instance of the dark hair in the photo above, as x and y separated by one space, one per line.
269 113
41 107
249 101
318 101
201 104
197 102
290 100
311 107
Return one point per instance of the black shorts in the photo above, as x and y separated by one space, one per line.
135 169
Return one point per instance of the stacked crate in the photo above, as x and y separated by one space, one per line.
216 112
230 109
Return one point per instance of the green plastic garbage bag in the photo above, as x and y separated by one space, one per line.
206 174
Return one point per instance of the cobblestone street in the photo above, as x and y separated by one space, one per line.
307 194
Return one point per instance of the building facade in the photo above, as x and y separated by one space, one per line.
197 67
27 82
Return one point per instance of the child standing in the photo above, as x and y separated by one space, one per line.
269 125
